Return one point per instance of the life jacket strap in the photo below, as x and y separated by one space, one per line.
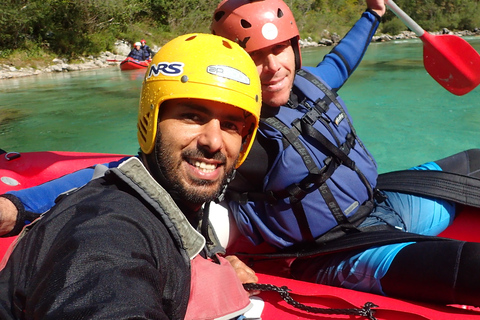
330 97
449 186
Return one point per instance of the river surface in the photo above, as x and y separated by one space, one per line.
403 116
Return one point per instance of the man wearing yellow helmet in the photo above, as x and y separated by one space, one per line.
135 242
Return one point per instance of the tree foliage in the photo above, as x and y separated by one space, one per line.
79 27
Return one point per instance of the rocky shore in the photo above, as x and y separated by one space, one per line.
121 50
59 65
333 39
104 60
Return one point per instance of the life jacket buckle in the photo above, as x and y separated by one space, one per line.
296 192
379 196
270 197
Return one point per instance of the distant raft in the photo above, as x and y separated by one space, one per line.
132 64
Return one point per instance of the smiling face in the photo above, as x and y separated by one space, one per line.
198 146
276 67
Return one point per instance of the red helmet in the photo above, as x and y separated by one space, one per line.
143 41
257 24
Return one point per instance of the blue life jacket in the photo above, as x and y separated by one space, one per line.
322 181
137 54
147 52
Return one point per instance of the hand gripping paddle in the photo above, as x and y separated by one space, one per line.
449 59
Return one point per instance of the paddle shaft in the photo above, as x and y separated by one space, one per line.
412 25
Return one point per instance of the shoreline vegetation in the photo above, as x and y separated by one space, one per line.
106 59
41 36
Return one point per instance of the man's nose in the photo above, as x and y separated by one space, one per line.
271 63
211 137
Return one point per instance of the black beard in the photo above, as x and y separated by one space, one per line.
181 193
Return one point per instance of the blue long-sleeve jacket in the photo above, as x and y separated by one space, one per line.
341 62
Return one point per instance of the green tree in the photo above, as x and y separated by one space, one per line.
78 27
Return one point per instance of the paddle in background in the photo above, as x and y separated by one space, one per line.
449 59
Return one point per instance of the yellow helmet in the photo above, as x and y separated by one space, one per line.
200 66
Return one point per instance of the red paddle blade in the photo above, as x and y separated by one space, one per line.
452 62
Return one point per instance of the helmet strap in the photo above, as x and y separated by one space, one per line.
295 45
204 226
221 196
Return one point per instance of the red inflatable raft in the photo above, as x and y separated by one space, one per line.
18 171
132 64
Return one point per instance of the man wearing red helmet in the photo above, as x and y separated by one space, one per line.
311 180
146 49
132 244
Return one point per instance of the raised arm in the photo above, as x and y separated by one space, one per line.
341 62
378 6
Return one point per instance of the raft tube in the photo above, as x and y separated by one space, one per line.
23 170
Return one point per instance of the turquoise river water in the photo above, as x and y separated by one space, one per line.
403 116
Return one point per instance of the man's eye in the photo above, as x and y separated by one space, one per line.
191 117
256 57
280 48
254 54
232 127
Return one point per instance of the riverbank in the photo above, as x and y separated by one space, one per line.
405 35
104 60
121 50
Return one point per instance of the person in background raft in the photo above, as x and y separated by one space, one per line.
136 243
137 52
146 49
277 200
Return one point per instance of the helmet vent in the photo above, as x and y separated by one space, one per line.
226 44
279 13
219 15
142 133
245 24
143 124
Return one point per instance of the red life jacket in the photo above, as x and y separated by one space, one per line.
215 291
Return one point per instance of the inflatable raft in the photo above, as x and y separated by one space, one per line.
132 64
302 300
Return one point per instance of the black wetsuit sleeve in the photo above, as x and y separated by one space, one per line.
251 173
102 255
